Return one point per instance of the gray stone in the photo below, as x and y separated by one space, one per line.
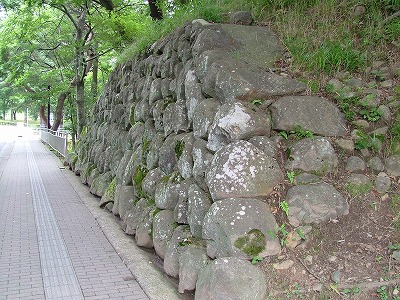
315 203
392 164
240 228
305 178
315 114
155 91
335 85
191 262
100 184
201 160
203 117
358 179
167 156
336 276
382 183
376 165
213 38
198 204
265 144
312 155
237 121
345 144
144 229
193 94
178 243
241 170
124 197
183 152
236 82
166 193
163 228
355 164
386 113
150 181
241 18
134 216
181 208
152 150
240 281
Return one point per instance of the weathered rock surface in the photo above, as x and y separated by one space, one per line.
317 115
312 155
240 281
315 203
241 170
241 228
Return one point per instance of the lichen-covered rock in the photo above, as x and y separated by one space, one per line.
237 121
240 227
355 164
265 144
181 208
144 229
202 158
124 196
179 241
392 164
231 278
317 115
100 184
167 191
203 117
134 216
150 181
315 203
191 262
183 152
241 170
312 155
193 93
198 204
163 228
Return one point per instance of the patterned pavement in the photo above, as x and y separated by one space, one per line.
51 247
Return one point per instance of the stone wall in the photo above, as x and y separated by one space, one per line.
183 147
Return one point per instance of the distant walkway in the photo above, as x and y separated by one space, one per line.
51 247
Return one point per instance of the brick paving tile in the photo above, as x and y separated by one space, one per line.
51 247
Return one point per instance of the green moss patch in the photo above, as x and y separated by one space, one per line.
252 243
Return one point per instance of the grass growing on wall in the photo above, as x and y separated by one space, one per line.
323 36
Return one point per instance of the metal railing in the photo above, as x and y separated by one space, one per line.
55 139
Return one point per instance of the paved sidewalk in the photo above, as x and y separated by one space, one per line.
51 246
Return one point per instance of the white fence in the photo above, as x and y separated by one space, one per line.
55 139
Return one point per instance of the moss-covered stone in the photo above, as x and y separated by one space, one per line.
252 243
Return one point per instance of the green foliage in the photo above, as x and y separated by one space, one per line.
137 178
351 291
110 191
285 207
282 233
252 243
358 189
256 259
372 114
382 293
179 147
368 141
257 102
291 175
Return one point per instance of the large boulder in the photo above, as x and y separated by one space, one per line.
237 121
240 227
315 114
191 262
312 155
230 278
315 203
180 240
163 228
198 204
241 170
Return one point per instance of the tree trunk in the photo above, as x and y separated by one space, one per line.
80 73
43 116
59 111
95 71
155 11
80 106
